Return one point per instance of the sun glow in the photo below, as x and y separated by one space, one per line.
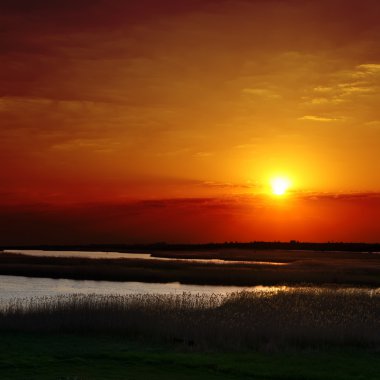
280 185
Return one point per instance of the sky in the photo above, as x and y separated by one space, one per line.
144 121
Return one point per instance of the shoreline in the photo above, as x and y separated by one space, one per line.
345 269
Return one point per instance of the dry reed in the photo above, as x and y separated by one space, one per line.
238 320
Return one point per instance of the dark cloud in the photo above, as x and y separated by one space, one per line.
355 196
84 15
194 220
141 221
48 46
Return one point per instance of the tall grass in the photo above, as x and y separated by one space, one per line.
238 320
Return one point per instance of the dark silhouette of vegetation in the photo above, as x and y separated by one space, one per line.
346 268
235 321
254 245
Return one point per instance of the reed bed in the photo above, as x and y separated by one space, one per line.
344 268
235 321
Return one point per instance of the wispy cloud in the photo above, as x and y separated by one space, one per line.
359 84
368 69
261 92
319 118
203 154
227 185
373 124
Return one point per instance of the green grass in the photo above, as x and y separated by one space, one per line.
53 356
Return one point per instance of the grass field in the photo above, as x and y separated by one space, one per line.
69 357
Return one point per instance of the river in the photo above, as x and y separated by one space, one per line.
27 287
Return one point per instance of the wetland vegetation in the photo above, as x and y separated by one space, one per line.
241 320
246 267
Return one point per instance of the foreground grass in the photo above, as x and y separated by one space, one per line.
68 357
238 321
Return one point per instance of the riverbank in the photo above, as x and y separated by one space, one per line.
247 269
98 357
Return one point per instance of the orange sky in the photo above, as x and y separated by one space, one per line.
143 120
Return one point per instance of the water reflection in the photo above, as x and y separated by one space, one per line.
130 255
27 287
80 254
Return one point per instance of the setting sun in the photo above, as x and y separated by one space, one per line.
252 113
280 185
209 166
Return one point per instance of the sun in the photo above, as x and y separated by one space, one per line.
280 185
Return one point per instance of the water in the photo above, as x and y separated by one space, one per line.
129 255
27 287
81 254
